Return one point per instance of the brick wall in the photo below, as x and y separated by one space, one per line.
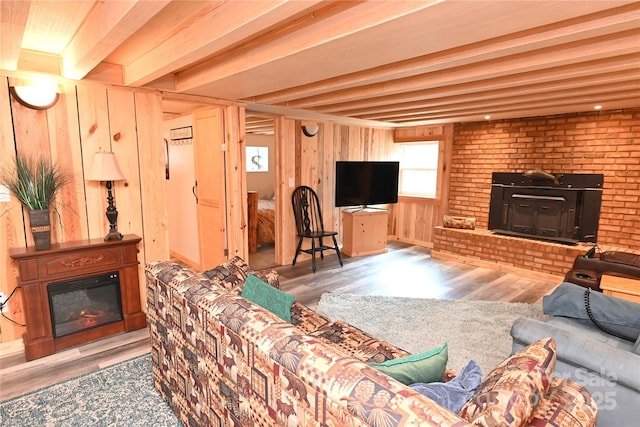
606 142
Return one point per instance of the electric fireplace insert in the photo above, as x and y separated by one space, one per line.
84 303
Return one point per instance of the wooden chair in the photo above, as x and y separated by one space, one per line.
309 225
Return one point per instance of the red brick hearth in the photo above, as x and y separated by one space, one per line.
546 260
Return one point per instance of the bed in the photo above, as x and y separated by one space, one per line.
261 218
266 222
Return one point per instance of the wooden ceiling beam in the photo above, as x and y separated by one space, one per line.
312 115
316 59
490 88
106 72
196 99
572 55
39 62
107 26
520 110
336 21
258 121
13 20
600 94
266 127
222 27
506 106
175 17
510 114
594 25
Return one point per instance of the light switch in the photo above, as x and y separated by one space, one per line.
292 182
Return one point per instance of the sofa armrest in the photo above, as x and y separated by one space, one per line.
609 263
617 365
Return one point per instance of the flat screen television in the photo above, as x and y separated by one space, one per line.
361 183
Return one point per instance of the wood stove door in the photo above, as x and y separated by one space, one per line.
538 215
550 216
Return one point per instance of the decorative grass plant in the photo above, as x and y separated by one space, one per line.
34 182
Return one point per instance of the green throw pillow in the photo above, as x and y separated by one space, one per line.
266 296
424 367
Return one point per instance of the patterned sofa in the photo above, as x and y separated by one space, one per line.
221 360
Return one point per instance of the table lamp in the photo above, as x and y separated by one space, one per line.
105 168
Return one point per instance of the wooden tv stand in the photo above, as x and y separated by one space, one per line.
364 231
72 260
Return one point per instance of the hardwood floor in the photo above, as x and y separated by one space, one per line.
408 271
264 257
17 376
405 270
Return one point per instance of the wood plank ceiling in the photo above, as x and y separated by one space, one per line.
379 63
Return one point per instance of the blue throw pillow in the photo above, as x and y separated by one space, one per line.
455 393
266 296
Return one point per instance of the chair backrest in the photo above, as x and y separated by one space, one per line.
306 209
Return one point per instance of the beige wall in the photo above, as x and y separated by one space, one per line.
263 182
87 118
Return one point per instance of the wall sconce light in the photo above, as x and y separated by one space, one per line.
105 168
310 130
39 96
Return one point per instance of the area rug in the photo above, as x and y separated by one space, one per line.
477 330
120 395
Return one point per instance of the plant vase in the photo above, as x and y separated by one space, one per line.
40 221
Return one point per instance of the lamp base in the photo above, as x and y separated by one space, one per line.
112 216
113 235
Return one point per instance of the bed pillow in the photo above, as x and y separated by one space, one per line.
268 297
425 367
618 315
508 395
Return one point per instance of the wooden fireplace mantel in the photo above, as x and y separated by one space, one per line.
71 260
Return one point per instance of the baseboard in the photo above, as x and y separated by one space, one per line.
11 347
410 241
11 354
183 259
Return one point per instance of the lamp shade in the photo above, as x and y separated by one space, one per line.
104 168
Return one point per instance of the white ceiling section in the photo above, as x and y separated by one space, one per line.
381 62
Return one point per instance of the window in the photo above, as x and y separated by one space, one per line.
419 169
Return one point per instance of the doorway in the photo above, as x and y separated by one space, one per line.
261 182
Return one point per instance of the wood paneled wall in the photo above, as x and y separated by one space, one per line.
412 219
86 119
303 160
236 182
90 118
